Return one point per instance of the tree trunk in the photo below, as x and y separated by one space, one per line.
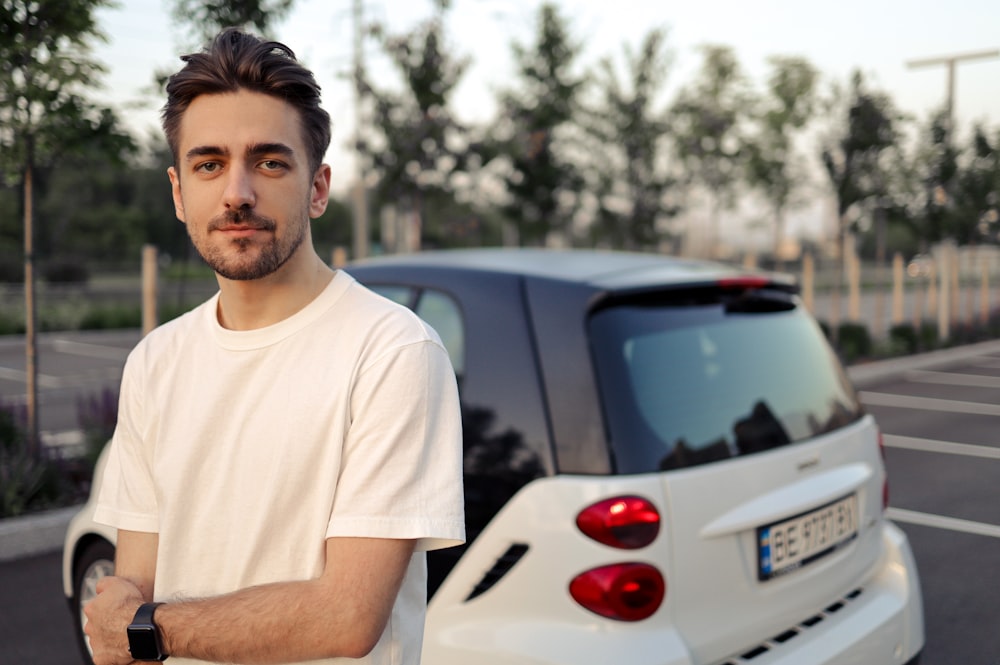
30 334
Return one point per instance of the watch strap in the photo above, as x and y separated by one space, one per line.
145 613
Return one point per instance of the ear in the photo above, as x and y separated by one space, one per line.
175 188
319 195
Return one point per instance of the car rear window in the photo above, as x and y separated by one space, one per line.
691 383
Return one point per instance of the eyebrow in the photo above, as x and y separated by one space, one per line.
253 150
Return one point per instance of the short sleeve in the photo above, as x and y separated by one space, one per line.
401 470
127 498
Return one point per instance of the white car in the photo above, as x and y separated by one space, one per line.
665 464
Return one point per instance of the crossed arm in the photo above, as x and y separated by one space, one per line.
341 613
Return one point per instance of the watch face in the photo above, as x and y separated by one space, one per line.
144 642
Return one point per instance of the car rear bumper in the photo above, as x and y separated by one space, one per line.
879 623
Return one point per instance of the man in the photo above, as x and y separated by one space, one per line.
287 451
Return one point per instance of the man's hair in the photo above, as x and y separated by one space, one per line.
237 61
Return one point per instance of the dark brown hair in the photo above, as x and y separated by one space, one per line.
237 61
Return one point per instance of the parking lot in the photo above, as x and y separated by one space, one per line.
941 424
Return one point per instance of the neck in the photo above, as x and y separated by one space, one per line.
257 303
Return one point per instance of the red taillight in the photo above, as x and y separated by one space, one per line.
623 591
885 473
744 282
625 522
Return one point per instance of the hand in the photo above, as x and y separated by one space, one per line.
108 617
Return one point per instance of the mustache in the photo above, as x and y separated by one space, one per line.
241 217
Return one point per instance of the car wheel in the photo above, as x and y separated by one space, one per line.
95 561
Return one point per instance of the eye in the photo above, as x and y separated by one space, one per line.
273 165
207 167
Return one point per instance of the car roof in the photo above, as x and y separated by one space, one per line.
606 270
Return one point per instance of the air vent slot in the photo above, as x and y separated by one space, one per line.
499 569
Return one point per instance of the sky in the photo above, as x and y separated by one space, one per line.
879 37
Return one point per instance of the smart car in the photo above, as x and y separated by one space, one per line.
665 464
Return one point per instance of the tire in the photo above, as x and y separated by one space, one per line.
95 560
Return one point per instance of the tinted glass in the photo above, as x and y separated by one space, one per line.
442 313
688 385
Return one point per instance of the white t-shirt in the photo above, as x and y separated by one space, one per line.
245 450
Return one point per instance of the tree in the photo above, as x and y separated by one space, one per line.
771 160
632 178
708 119
977 191
542 184
45 71
208 17
419 147
865 128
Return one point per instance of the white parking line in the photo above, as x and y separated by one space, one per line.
929 403
942 522
44 380
90 350
953 379
936 446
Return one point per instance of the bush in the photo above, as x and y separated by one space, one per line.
66 272
902 340
853 341
28 480
112 317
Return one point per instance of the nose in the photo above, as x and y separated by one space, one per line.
239 191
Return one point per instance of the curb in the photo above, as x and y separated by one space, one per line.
32 535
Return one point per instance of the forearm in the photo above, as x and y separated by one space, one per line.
275 623
340 614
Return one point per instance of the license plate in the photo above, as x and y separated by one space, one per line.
788 545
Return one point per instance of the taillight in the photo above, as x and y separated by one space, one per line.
885 473
623 591
624 522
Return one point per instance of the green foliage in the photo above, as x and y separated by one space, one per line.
854 341
708 120
28 481
903 340
542 182
770 159
208 17
419 149
632 184
45 69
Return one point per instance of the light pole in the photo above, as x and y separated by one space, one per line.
950 61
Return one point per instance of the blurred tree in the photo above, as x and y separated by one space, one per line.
45 70
632 179
542 183
865 128
772 164
977 190
419 147
208 17
708 120
938 156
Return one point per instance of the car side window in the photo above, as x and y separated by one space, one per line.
443 314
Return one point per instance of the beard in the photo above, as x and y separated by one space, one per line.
243 259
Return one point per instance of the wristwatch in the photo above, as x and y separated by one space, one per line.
144 641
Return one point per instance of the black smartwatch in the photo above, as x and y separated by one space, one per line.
144 641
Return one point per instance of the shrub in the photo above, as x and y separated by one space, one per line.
66 272
853 341
28 480
902 339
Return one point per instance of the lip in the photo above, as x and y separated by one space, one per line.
238 231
